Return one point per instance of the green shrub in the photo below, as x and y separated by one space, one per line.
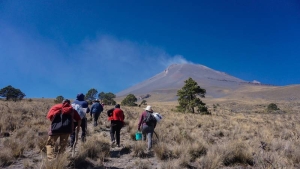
272 106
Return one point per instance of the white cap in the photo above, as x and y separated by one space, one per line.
148 108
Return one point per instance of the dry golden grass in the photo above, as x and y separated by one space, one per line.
236 135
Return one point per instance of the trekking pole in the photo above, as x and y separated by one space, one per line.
75 142
156 135
86 129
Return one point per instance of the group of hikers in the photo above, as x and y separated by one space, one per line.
67 118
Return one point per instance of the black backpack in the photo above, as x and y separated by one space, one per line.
110 112
62 123
149 119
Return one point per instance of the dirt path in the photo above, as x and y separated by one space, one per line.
121 157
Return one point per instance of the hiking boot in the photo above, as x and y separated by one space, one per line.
113 143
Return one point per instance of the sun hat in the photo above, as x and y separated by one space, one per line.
148 108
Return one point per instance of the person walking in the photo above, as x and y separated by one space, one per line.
82 107
117 122
61 117
147 128
96 110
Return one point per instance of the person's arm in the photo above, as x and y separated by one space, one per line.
101 108
77 118
78 125
88 109
92 107
86 105
140 122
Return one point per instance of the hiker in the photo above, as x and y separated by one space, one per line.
117 122
147 129
81 106
61 117
96 110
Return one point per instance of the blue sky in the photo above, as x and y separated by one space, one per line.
60 47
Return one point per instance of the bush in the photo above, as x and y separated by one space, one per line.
129 100
272 106
59 99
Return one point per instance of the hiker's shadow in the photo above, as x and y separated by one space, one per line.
119 153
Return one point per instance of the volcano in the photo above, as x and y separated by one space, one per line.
217 84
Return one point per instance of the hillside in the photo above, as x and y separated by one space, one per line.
217 84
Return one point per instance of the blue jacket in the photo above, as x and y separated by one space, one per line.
80 100
96 108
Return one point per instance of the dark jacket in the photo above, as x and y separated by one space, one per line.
96 108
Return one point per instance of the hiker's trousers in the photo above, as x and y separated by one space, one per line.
95 118
115 129
147 132
63 141
83 131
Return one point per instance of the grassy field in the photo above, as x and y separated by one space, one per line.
237 135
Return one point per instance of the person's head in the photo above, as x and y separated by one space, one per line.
80 96
117 106
66 101
149 108
96 100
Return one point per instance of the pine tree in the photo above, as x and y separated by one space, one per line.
12 93
91 94
188 98
129 100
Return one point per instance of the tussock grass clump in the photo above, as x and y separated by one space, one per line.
60 162
238 152
184 161
162 151
212 160
16 147
139 149
95 148
6 157
197 150
40 142
142 165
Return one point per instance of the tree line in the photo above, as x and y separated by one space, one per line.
188 97
92 94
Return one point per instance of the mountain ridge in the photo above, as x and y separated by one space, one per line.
173 77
